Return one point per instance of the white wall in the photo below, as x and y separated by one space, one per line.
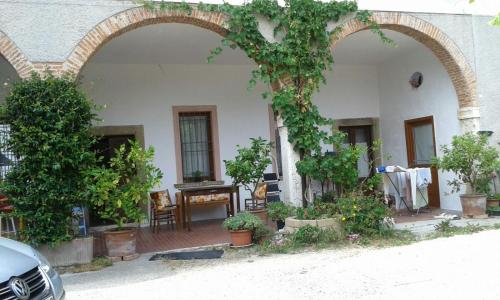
399 102
145 94
351 91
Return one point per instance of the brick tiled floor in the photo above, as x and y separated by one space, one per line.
202 233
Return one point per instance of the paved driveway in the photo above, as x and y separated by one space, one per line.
461 267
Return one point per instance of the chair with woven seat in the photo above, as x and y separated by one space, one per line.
162 209
259 202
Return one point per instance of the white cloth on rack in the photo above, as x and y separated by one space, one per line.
412 174
424 177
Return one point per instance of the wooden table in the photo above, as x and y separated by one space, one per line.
188 192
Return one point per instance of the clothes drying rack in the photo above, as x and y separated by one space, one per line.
399 193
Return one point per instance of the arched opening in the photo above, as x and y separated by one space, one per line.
134 18
403 96
8 75
158 89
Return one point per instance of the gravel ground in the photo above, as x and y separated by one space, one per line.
460 267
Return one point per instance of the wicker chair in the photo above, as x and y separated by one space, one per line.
260 198
162 209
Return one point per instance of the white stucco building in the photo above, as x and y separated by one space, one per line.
150 71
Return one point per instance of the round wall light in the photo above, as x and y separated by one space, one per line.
416 80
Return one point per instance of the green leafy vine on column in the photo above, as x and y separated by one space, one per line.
299 55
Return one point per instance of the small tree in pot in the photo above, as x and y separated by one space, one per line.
249 165
473 161
119 192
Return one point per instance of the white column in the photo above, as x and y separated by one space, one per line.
292 184
469 119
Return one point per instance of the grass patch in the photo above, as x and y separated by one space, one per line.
446 229
97 264
389 238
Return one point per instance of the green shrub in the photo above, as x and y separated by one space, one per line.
50 120
363 215
311 235
471 159
249 165
279 211
242 221
118 191
319 210
261 233
307 235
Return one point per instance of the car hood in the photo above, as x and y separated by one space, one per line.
15 259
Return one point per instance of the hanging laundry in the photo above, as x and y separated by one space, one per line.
424 177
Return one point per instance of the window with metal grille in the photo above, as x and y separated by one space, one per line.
196 146
7 157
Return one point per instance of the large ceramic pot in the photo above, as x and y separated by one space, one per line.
492 202
261 213
241 238
292 224
473 206
121 244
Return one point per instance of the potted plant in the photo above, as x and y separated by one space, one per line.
248 168
241 228
493 200
322 215
473 161
278 212
118 193
197 176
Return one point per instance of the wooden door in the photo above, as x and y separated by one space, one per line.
361 136
421 148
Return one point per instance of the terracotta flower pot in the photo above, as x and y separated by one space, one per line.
492 202
473 206
261 213
241 238
121 244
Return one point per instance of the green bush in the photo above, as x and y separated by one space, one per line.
117 192
50 120
311 235
319 210
307 235
242 221
279 211
363 215
471 159
249 165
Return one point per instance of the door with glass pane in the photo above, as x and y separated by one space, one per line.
421 148
196 146
361 136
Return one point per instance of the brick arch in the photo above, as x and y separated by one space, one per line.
448 53
14 55
134 18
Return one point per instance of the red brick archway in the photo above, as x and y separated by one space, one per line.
10 51
134 18
448 53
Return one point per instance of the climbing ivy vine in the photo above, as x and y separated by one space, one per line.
298 54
